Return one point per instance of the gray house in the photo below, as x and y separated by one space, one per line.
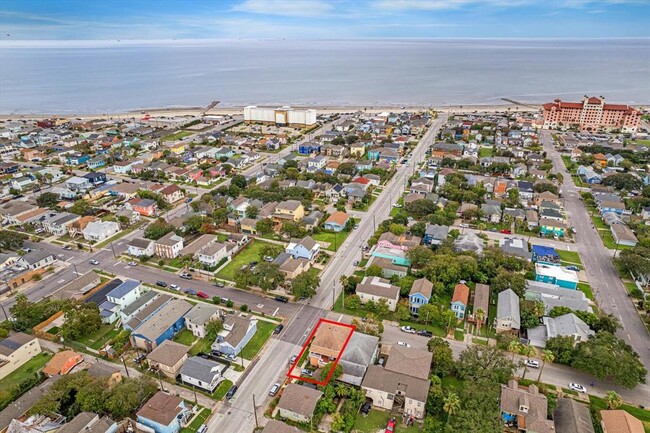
552 295
507 318
360 353
236 334
567 325
202 373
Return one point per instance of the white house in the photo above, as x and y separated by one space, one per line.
99 230
140 247
212 254
202 373
305 248
237 332
169 246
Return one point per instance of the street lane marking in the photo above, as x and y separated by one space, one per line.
276 311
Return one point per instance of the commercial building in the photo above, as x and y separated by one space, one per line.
283 116
592 114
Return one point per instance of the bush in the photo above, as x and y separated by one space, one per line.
229 304
244 308
216 300
161 263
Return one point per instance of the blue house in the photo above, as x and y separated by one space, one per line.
460 300
364 166
96 178
96 163
420 294
163 325
164 413
337 221
545 255
309 148
373 154
435 234
556 275
77 159
305 248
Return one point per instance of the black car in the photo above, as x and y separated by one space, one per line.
231 392
365 408
283 299
425 333
278 329
161 284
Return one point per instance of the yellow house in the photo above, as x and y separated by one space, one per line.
16 350
357 149
177 148
289 210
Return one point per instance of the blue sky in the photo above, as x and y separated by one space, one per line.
310 19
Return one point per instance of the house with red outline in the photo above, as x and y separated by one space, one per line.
328 343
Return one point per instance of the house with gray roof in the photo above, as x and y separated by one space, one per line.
199 316
515 247
508 317
168 358
359 354
237 332
469 242
298 402
140 247
161 326
273 426
435 234
571 416
202 373
552 295
525 409
567 325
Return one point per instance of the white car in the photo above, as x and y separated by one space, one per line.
174 287
464 226
94 262
408 330
577 387
397 205
403 344
532 363
132 264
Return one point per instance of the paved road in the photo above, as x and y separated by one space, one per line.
608 288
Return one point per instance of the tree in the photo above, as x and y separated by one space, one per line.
271 250
10 240
626 181
547 356
419 228
81 207
239 181
128 395
47 199
264 226
530 313
158 229
251 212
28 314
193 224
397 229
442 361
562 349
613 400
403 310
480 317
374 271
305 285
80 318
484 363
420 256
212 328
451 405
353 302
514 347
509 280
428 313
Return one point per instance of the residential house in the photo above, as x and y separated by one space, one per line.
526 410
567 325
168 358
62 362
376 289
273 426
15 351
78 184
164 413
290 266
89 422
202 373
337 221
37 259
420 294
328 343
143 206
507 318
214 253
469 242
545 255
358 355
169 246
163 325
435 234
460 300
140 247
556 275
109 374
552 295
199 316
57 223
623 235
76 228
312 220
97 231
298 403
515 247
619 421
171 193
288 210
237 332
491 211
571 416
306 248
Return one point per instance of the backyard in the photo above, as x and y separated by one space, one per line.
204 345
21 374
196 423
98 338
177 135
570 257
185 337
250 253
334 239
264 331
377 420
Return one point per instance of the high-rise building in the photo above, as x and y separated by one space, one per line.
283 116
592 114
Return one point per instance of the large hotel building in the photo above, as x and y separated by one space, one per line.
592 114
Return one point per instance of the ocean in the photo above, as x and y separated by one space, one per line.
114 76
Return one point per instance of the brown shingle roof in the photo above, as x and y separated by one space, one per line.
390 381
409 361
482 298
423 286
619 421
329 339
161 408
168 353
299 399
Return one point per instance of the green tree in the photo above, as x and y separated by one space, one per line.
420 256
562 349
442 361
10 240
264 226
403 311
353 302
193 224
81 207
514 347
158 229
397 229
613 400
239 181
127 396
451 405
305 285
270 250
80 318
527 351
509 280
47 199
374 271
484 363
547 356
212 328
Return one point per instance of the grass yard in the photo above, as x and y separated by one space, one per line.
334 239
459 335
200 419
250 253
185 337
22 373
177 136
452 382
609 241
572 257
264 331
222 389
586 289
435 330
485 152
377 420
598 404
97 339
599 223
203 345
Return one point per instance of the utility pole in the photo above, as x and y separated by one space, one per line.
333 294
255 412
75 269
125 367
4 312
113 249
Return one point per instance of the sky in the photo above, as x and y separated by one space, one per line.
321 19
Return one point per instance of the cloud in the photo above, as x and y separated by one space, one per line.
289 8
433 5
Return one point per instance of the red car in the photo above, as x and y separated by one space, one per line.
506 232
202 295
390 428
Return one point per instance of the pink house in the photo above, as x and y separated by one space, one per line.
403 243
195 175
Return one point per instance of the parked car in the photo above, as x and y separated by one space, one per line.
493 229
464 226
188 200
365 408
282 299
253 263
132 264
231 392
577 387
174 287
161 284
532 363
356 226
505 232
408 329
390 427
186 276
397 205
138 359
278 329
425 333
268 258
67 248
573 230
293 359
219 284
94 262
356 263
202 295
274 389
306 372
202 429
225 300
573 268
403 344
190 291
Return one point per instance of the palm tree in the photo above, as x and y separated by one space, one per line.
527 351
547 356
514 347
480 316
613 400
451 405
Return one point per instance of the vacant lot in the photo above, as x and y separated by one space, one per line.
264 331
251 252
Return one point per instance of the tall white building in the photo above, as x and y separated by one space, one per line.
280 116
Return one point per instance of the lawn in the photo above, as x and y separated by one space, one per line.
22 373
586 289
177 135
334 239
572 257
97 339
250 253
599 223
435 330
185 337
222 389
200 419
609 241
264 331
459 335
204 345
598 404
485 151
377 420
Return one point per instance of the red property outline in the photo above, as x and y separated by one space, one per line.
304 347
